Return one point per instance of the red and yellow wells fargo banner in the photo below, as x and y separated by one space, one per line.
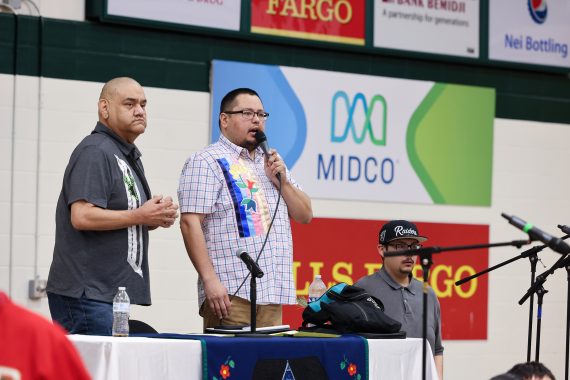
344 250
323 20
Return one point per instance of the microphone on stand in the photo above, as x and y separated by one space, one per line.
255 274
554 243
249 262
564 228
262 143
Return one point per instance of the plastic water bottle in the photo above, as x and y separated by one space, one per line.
121 310
317 288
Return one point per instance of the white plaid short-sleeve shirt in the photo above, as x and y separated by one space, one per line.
232 189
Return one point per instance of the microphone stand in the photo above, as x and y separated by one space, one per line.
537 287
426 263
533 258
567 321
425 255
566 231
255 274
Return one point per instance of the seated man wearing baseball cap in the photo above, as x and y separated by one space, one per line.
402 294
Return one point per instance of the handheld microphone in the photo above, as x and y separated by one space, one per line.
261 139
262 143
564 228
251 265
554 243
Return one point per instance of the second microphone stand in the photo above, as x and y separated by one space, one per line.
533 259
537 287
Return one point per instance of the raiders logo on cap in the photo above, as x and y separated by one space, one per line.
399 229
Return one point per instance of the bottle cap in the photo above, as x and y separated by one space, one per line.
122 288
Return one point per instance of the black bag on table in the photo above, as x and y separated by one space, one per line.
350 309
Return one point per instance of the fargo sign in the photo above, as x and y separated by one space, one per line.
324 20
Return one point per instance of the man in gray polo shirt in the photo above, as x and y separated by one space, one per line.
103 216
402 294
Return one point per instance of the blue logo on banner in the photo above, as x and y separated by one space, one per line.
286 128
355 167
349 125
538 10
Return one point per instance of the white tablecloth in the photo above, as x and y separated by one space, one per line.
109 358
398 359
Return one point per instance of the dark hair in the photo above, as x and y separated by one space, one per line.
506 376
230 97
529 369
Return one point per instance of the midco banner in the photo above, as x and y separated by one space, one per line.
344 250
360 137
340 21
532 31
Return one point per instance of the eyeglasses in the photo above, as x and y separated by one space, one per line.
248 114
403 247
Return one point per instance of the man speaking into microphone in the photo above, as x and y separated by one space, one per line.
228 194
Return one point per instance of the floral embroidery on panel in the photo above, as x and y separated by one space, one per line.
246 191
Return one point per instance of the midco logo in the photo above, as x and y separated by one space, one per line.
360 119
349 125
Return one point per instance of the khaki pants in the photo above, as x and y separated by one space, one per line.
240 314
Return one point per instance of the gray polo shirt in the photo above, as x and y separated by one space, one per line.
101 171
404 304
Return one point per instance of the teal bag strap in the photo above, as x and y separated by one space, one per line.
316 305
